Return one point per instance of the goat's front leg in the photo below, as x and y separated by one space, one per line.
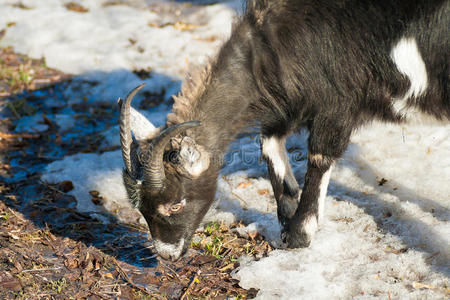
285 186
327 142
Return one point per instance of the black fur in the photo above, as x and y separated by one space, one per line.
320 64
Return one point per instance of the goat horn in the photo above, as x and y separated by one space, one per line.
125 129
154 169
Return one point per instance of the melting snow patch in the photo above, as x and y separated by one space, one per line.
349 258
33 123
91 172
114 37
36 123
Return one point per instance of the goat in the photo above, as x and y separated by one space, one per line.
328 65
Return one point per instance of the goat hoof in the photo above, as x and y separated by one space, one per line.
294 241
297 240
300 233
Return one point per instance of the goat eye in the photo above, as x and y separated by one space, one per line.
176 207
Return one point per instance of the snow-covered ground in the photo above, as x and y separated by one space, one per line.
390 241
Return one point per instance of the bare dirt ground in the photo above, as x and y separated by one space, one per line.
49 250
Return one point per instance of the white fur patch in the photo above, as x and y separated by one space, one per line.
310 226
406 56
141 127
169 251
194 158
164 210
271 150
323 192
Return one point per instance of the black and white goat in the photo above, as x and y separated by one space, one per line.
328 65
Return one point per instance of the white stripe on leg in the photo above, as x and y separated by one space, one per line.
271 150
323 192
311 223
310 226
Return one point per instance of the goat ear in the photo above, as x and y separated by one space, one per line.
142 130
193 158
141 127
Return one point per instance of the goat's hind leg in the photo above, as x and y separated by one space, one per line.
285 186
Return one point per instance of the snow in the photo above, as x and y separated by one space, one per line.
35 123
375 241
114 37
90 172
31 124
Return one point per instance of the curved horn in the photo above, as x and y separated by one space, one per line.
125 129
154 169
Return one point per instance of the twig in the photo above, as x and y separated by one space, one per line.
225 254
112 293
51 187
102 296
41 270
16 136
130 226
128 279
233 193
168 267
51 244
16 215
130 245
149 257
192 283
432 256
135 251
227 267
418 285
113 285
232 240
